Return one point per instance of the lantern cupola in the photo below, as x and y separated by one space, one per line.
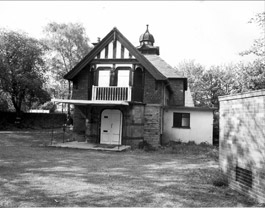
147 43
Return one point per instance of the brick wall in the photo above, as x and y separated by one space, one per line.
152 124
152 90
33 120
242 142
82 80
178 96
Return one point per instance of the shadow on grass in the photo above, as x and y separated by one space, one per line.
34 176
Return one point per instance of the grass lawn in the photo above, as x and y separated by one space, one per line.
33 175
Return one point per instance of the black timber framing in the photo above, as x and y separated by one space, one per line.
115 61
115 35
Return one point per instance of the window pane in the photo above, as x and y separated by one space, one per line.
104 78
123 78
185 120
177 120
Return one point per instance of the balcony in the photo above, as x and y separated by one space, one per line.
111 93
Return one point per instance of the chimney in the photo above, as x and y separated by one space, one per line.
97 42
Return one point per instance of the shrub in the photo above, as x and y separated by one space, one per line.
190 148
146 146
172 143
190 143
48 106
204 144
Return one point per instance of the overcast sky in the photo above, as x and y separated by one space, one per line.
210 32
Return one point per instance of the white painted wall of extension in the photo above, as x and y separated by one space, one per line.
201 126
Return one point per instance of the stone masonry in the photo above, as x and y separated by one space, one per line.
242 142
152 124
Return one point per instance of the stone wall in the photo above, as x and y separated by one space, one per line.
140 122
152 124
134 125
242 142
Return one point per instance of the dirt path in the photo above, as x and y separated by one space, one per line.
41 176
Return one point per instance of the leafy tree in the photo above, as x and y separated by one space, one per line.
194 73
258 47
207 85
69 44
36 97
253 74
21 67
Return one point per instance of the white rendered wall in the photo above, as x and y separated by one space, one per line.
201 127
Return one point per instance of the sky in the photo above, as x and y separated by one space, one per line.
208 32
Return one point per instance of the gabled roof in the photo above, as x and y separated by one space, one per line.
163 67
115 34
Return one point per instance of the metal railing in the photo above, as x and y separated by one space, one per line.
111 93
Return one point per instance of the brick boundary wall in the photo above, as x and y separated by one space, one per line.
33 120
242 142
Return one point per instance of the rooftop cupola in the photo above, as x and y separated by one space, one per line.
147 43
147 38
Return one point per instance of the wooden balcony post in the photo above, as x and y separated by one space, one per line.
93 97
129 98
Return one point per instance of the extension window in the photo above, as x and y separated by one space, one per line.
181 120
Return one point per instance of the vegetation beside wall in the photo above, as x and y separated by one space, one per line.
32 120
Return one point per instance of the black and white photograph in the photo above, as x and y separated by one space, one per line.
132 103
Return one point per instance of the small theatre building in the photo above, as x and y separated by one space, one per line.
123 95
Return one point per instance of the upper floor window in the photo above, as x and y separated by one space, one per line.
104 78
181 120
123 78
119 77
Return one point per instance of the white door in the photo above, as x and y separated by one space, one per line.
111 127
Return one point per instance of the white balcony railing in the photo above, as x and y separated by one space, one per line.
111 93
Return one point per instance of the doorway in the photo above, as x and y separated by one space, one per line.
111 127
